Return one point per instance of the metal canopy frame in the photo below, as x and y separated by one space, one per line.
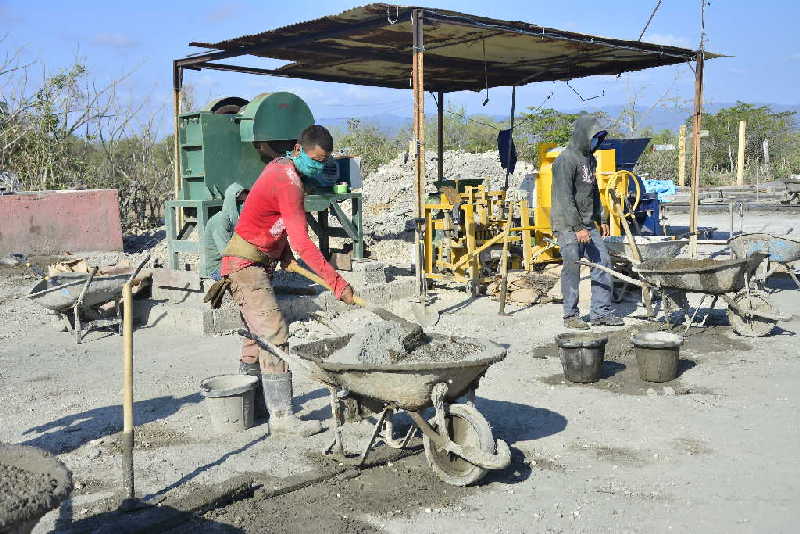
371 45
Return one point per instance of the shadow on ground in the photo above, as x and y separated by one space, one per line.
67 433
515 422
143 520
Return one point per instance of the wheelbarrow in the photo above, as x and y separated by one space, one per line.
650 248
749 311
73 295
778 251
458 441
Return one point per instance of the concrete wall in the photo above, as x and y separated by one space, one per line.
53 222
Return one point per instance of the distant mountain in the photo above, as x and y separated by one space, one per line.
657 119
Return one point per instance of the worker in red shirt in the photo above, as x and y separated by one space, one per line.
271 225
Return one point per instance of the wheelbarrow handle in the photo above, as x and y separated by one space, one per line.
280 353
614 273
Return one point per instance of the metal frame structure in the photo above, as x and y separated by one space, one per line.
360 46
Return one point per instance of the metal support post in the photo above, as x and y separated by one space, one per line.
696 123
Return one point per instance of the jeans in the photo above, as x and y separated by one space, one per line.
602 283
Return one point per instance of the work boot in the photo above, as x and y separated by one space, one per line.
575 323
254 369
278 397
608 320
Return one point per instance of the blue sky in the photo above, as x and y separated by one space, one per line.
141 38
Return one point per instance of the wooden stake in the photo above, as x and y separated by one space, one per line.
696 124
127 390
740 154
682 156
417 79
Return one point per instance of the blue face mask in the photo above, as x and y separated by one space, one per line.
308 167
597 139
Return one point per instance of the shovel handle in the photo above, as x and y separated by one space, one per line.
295 267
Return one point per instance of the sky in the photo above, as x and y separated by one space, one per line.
140 39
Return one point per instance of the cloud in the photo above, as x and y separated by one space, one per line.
795 56
113 40
226 11
667 39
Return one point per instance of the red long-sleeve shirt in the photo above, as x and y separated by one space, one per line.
273 217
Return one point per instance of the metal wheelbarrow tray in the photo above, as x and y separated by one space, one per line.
60 293
650 247
458 440
779 250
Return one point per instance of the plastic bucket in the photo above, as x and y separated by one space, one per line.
229 400
581 356
657 355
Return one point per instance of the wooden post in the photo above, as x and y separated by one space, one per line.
740 154
682 156
696 124
177 84
440 135
127 390
417 79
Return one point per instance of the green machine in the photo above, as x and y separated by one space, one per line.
230 141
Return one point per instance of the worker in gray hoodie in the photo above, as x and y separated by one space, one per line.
219 229
579 225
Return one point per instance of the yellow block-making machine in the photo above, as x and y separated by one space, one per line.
465 223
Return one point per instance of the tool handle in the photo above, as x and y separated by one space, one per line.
295 267
284 355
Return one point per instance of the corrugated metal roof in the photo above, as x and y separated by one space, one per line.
372 45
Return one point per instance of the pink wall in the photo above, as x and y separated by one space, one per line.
52 222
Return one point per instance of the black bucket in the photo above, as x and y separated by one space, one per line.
657 355
581 356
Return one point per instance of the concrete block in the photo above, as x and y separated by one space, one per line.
177 279
55 222
366 273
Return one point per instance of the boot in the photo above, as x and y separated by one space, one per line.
278 397
254 369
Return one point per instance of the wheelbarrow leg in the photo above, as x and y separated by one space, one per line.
697 309
79 303
375 432
336 415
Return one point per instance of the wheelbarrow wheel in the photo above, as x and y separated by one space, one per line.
752 326
466 427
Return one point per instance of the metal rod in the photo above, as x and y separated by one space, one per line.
511 136
177 85
127 395
440 135
696 124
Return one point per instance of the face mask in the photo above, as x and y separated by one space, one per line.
307 166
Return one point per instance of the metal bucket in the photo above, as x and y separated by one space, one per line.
229 400
581 356
657 355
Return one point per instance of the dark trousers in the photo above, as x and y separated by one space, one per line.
602 283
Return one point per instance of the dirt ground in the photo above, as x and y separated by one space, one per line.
713 451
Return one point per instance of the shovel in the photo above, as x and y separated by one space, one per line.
384 314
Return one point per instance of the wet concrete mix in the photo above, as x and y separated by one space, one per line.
387 343
23 493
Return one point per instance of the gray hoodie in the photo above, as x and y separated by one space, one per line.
219 229
575 198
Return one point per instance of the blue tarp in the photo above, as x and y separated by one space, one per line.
663 188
